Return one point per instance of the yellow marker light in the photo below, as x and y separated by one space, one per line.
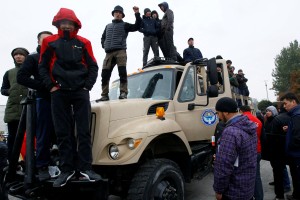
168 66
134 143
160 112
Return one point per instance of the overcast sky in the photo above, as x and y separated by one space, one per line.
249 32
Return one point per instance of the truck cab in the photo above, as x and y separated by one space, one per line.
165 126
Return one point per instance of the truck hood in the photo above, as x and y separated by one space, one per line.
131 108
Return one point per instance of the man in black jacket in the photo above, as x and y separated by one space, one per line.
276 140
150 29
69 70
44 125
113 41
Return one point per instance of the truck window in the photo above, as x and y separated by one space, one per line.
187 92
156 84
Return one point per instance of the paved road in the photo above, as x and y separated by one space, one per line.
202 190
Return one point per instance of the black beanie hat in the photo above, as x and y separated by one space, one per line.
226 104
146 10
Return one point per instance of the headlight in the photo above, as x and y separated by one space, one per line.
114 151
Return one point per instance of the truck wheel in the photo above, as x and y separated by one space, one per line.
157 179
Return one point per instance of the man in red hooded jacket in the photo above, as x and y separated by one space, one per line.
69 70
258 190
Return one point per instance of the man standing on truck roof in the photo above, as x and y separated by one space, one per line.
150 28
113 41
235 165
69 70
15 93
191 53
166 42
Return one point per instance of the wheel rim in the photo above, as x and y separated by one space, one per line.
165 190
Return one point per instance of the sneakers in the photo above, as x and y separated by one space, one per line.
103 98
123 95
90 175
43 173
63 178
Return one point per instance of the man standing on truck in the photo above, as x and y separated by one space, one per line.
69 70
166 42
44 124
235 165
113 41
15 93
191 53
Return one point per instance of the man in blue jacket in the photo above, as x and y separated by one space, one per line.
44 124
235 164
291 104
191 53
150 29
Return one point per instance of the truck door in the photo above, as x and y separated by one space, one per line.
198 124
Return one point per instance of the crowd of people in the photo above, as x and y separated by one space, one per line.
64 70
244 139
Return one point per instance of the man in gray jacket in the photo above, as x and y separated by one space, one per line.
114 43
166 42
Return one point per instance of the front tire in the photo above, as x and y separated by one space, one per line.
158 179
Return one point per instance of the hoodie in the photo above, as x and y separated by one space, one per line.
66 59
167 22
235 165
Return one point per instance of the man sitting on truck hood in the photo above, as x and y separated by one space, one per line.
235 165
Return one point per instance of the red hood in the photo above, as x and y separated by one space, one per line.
66 14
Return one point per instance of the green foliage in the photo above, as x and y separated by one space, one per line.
263 104
286 63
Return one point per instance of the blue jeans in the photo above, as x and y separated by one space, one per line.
258 191
44 131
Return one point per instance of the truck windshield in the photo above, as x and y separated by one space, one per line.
155 84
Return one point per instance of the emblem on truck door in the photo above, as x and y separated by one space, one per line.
209 117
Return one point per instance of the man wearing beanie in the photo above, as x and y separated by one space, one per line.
150 29
235 164
69 70
113 41
44 125
15 93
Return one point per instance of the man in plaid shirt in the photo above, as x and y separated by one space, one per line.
235 165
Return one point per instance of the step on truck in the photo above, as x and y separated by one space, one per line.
148 145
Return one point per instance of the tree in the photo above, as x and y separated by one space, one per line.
263 104
287 64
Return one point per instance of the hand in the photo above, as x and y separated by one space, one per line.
136 9
285 128
54 89
218 196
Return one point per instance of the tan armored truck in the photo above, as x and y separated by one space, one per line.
160 137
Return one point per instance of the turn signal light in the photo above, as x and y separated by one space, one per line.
160 112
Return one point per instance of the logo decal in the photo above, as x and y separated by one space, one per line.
209 117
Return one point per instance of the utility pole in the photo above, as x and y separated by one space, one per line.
266 89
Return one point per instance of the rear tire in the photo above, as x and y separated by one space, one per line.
157 179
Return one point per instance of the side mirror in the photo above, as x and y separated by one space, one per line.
212 91
212 71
